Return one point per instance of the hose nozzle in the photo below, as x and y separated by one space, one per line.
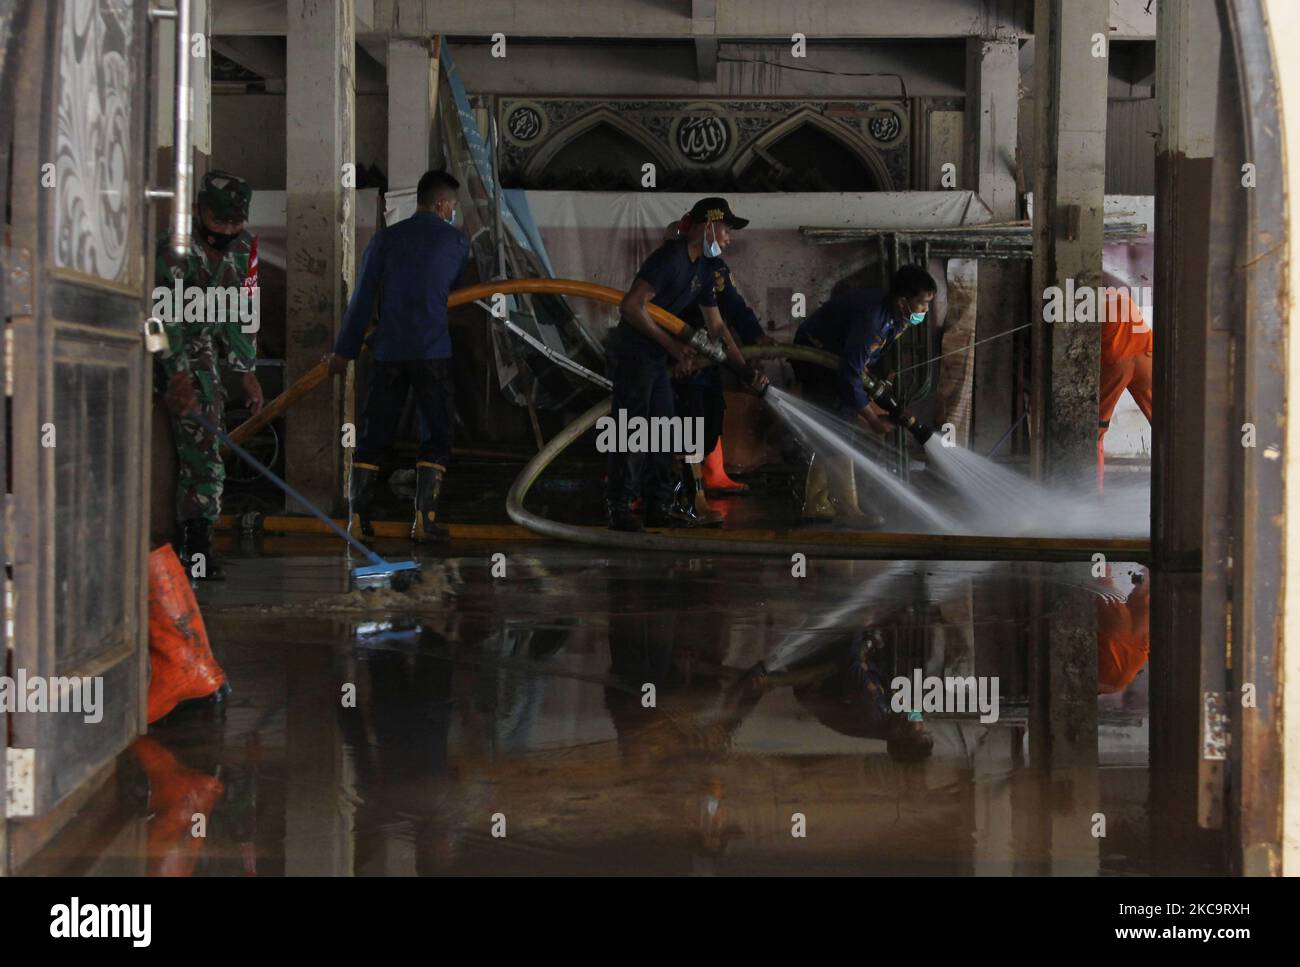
879 391
701 342
712 349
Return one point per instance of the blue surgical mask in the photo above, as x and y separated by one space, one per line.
452 220
712 249
916 318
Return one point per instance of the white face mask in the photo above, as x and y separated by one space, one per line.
712 249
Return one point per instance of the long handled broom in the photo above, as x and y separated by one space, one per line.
379 573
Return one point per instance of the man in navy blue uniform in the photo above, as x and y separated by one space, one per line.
701 393
859 326
409 268
675 277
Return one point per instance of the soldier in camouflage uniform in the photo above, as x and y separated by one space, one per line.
223 256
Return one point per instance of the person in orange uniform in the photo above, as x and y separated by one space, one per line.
1125 365
1123 636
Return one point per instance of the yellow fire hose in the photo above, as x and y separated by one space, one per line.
320 372
833 544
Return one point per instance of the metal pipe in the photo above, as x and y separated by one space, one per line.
497 196
558 358
183 107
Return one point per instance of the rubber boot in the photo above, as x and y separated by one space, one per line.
693 479
621 517
816 497
181 666
683 505
715 473
843 494
683 499
361 491
669 514
198 560
428 485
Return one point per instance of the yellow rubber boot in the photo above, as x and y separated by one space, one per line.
703 511
844 496
816 496
428 486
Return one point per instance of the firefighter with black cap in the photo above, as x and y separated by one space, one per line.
643 357
701 394
222 254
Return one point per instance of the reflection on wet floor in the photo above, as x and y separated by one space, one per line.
615 713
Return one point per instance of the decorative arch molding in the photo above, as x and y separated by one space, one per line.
857 145
561 138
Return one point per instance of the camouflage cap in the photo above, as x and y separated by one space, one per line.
226 195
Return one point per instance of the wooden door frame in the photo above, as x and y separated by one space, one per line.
37 89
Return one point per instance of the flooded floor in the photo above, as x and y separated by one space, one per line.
563 710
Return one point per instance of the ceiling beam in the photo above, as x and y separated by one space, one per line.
733 20
704 27
635 19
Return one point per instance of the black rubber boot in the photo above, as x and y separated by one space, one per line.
621 517
683 505
428 485
667 515
198 541
690 494
361 487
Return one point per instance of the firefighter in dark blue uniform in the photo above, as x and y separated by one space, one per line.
701 394
675 277
859 326
409 269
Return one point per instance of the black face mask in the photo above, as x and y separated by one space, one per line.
218 240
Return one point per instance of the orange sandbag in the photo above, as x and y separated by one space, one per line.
177 795
181 665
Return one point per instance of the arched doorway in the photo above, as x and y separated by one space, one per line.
808 152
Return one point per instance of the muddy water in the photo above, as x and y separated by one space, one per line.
611 713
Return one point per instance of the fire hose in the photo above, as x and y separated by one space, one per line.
840 544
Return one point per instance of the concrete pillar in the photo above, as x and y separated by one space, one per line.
1191 493
412 108
992 112
1187 77
1063 724
1062 675
1070 85
321 233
